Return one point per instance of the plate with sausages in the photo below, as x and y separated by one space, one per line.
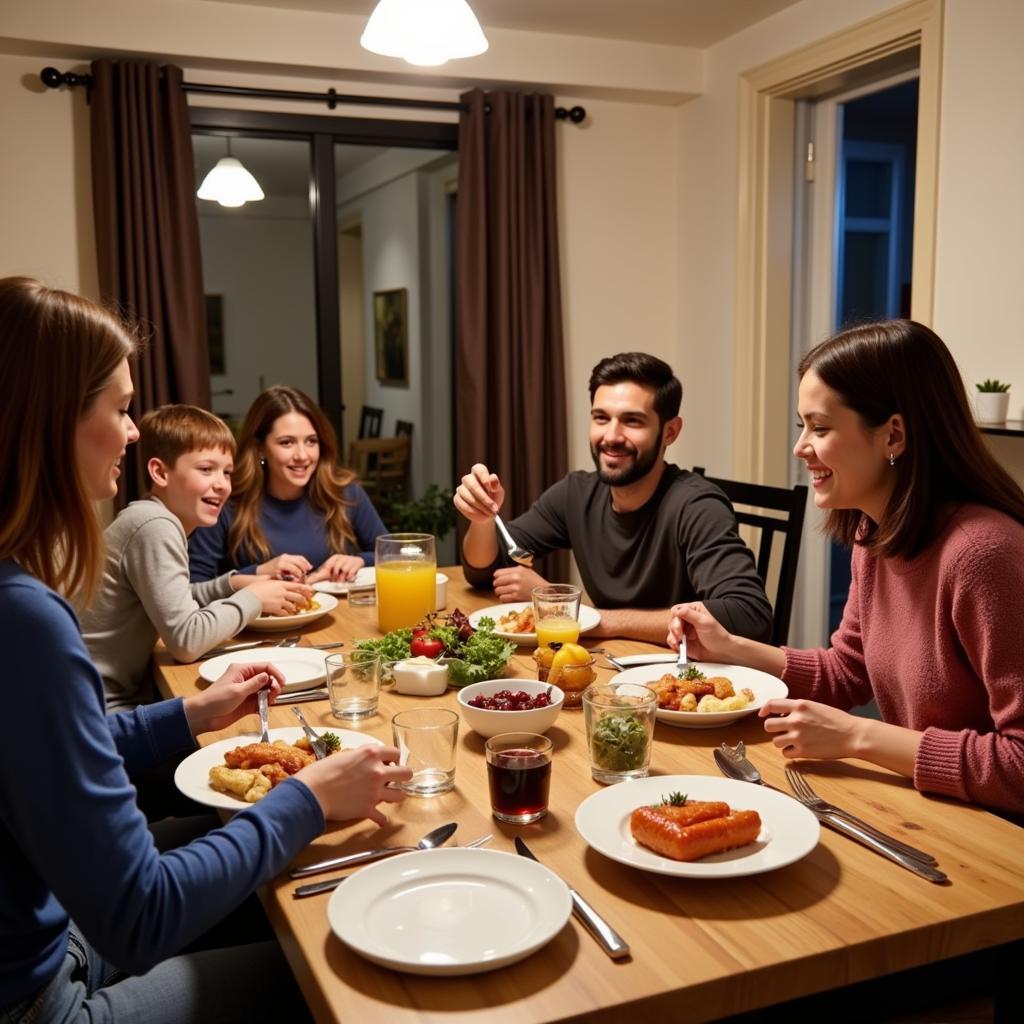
649 823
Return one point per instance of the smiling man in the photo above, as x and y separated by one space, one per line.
642 530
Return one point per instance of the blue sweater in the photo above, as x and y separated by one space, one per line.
291 528
72 840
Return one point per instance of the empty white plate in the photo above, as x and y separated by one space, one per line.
300 666
451 911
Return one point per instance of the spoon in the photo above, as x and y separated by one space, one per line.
432 839
518 554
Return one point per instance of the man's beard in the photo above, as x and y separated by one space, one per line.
644 460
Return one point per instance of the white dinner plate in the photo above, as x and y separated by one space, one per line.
365 577
301 666
192 776
788 829
589 619
449 911
764 688
275 623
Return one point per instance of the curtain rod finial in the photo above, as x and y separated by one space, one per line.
54 79
575 114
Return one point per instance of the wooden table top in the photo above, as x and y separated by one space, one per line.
701 949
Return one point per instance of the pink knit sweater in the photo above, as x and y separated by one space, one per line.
939 642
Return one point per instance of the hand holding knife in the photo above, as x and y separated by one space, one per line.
608 938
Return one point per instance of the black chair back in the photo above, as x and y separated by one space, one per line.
403 428
790 502
370 420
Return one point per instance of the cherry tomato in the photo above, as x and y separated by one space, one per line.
426 647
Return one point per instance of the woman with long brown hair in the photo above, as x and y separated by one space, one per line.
94 913
294 510
936 606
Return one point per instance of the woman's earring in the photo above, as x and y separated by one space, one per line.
892 459
263 462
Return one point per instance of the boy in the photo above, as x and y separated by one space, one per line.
146 593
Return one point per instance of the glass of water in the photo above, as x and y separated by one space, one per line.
353 684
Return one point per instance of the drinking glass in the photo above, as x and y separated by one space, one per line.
556 610
620 730
406 567
425 738
353 684
519 776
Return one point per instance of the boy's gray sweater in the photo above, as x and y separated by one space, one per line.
146 593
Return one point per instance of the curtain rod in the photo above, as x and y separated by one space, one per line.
54 79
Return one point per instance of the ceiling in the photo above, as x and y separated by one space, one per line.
696 23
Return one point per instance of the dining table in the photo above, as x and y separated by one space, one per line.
701 948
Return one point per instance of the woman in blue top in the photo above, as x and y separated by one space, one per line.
93 913
294 511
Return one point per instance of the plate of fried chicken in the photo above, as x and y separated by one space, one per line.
235 772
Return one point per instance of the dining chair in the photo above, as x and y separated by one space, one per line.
758 500
382 466
370 420
403 428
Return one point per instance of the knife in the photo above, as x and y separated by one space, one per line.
856 833
608 938
296 696
217 651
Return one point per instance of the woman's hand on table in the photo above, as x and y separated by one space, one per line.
350 784
292 567
232 696
337 569
516 583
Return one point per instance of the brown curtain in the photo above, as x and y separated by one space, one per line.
510 365
147 234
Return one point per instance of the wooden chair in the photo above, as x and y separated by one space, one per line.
382 465
370 420
791 504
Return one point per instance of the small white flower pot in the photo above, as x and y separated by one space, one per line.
991 406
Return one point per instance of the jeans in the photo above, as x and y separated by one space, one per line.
239 983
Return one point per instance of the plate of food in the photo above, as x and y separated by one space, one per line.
319 606
435 911
724 828
515 622
235 772
365 577
302 667
708 695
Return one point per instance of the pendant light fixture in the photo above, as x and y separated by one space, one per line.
229 183
424 32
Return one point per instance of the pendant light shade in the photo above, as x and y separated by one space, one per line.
229 183
424 32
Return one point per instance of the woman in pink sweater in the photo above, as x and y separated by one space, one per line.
934 621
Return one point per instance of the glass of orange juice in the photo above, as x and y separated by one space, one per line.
556 609
406 566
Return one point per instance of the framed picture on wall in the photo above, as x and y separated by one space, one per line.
215 331
391 336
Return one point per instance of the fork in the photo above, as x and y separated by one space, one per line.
737 758
805 794
261 704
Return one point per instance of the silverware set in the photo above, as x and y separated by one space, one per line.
734 764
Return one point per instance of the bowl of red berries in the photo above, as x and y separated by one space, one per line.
509 705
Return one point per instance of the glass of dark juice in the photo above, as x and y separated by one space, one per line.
519 775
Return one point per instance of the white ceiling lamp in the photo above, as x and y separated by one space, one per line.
229 183
424 32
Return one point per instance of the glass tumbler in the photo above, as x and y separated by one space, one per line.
353 684
406 571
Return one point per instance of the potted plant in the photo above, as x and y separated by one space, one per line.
991 401
432 512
